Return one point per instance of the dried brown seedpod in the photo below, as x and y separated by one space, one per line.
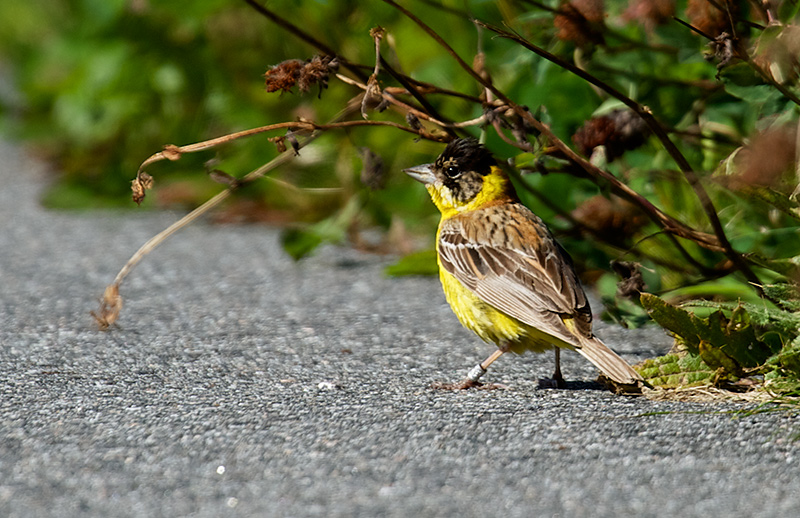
712 18
650 13
768 158
618 131
139 185
110 307
303 74
578 21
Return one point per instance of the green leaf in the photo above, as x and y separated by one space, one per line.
758 94
678 369
418 263
727 344
300 242
772 197
788 360
673 319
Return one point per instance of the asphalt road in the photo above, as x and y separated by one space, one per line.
240 383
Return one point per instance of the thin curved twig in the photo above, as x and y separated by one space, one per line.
662 219
646 114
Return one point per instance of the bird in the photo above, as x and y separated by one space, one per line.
503 273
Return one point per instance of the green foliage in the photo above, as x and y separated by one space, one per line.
417 263
677 370
732 342
102 85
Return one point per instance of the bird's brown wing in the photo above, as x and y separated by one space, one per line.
507 257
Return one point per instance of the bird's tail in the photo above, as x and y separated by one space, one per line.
608 361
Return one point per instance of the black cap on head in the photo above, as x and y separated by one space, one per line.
469 155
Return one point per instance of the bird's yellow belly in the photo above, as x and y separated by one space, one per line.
489 323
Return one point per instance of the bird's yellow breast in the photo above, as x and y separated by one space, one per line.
489 323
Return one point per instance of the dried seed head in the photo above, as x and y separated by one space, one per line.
377 33
618 131
303 74
612 218
706 17
283 76
576 21
110 307
317 71
632 284
413 121
650 13
768 157
139 185
146 180
280 143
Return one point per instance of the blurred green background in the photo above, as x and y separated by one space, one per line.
95 87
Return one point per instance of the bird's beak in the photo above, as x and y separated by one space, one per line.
421 173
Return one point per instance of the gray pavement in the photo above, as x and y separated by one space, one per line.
240 383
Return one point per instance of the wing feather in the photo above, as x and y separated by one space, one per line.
513 263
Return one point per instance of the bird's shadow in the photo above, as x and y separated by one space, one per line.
545 384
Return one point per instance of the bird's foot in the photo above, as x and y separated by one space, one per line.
556 382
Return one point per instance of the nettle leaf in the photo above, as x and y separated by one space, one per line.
675 320
728 345
789 294
677 369
776 199
789 267
787 362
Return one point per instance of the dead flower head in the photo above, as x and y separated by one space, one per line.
632 283
303 74
578 21
139 185
618 131
712 18
769 156
110 306
650 13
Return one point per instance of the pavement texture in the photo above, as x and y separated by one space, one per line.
241 383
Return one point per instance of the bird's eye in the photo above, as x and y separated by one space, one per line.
452 171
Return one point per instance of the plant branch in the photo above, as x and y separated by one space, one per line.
662 219
304 36
111 302
647 115
172 152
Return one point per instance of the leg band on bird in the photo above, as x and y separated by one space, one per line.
479 370
476 372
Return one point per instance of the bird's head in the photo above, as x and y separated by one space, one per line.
463 177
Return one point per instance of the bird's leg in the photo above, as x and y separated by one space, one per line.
475 374
557 381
